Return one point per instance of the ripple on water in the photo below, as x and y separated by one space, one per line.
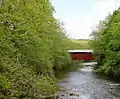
86 69
83 84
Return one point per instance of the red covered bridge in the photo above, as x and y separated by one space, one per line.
81 54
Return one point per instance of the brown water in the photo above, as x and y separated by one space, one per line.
84 84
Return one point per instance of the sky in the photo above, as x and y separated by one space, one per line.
81 16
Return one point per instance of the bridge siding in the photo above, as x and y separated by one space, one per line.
82 56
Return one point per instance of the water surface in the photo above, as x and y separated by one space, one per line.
84 84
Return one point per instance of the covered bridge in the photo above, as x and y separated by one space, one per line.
81 54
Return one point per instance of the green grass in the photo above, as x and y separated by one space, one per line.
84 44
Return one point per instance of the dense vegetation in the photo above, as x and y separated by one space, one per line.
106 45
32 48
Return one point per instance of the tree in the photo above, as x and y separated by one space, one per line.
106 46
32 44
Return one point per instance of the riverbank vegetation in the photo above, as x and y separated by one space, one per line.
106 45
32 47
72 67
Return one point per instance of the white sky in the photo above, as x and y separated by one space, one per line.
80 16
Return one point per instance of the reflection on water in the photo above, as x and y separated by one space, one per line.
84 84
86 69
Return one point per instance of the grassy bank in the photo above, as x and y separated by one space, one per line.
109 76
81 44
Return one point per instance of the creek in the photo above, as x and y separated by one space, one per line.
85 84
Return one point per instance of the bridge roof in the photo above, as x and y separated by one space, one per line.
72 51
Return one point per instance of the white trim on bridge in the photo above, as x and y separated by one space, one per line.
73 51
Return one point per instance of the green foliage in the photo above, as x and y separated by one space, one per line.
3 82
32 45
106 45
